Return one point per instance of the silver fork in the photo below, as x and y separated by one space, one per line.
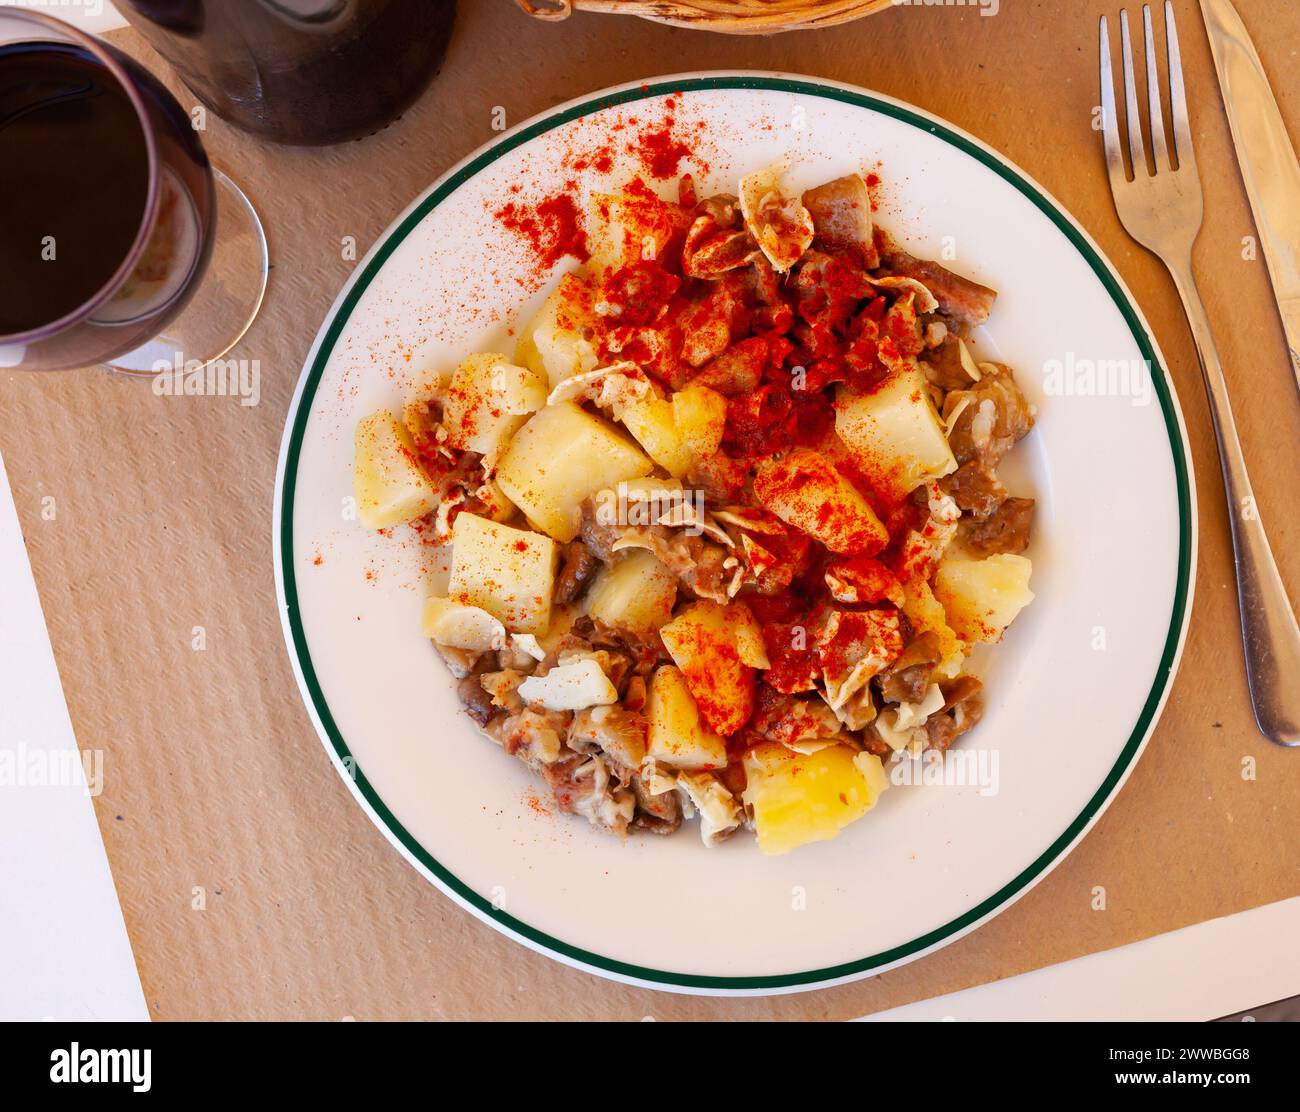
1163 212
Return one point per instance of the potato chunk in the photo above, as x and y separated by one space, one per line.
555 343
747 635
804 489
982 597
508 572
457 626
677 735
797 798
625 229
927 614
893 433
389 484
560 457
488 399
703 645
652 422
635 593
700 415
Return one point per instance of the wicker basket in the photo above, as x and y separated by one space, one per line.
733 17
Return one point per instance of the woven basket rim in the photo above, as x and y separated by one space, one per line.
718 15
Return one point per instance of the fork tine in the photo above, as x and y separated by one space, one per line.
1159 149
1137 152
1109 123
1177 95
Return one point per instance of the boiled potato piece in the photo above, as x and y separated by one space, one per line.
982 597
746 635
893 433
555 344
652 422
560 457
806 490
700 415
636 593
488 399
508 572
562 619
702 644
677 735
389 484
798 798
458 626
623 230
927 614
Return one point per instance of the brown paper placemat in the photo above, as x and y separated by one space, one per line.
252 885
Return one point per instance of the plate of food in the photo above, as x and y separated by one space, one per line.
734 533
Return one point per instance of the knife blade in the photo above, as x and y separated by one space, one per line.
1266 157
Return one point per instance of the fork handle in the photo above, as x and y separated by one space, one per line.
1268 624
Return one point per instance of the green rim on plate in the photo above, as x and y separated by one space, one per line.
557 946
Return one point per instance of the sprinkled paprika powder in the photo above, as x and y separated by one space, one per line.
552 228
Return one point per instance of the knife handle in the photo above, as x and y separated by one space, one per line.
1268 624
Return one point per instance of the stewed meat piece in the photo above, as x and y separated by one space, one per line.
1006 529
962 709
577 566
906 680
966 302
841 212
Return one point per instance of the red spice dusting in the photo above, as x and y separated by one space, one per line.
602 161
639 292
553 228
792 656
660 151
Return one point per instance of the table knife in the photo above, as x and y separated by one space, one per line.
1266 157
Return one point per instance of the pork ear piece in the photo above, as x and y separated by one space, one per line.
841 212
966 302
779 223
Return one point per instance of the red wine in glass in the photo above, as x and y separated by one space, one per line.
108 204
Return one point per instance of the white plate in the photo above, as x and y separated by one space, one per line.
1073 692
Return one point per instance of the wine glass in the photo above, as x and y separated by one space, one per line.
120 244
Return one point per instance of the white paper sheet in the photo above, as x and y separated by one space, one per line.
1202 972
66 953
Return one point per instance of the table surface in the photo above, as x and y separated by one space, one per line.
252 886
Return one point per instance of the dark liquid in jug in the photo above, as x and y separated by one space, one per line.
301 71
